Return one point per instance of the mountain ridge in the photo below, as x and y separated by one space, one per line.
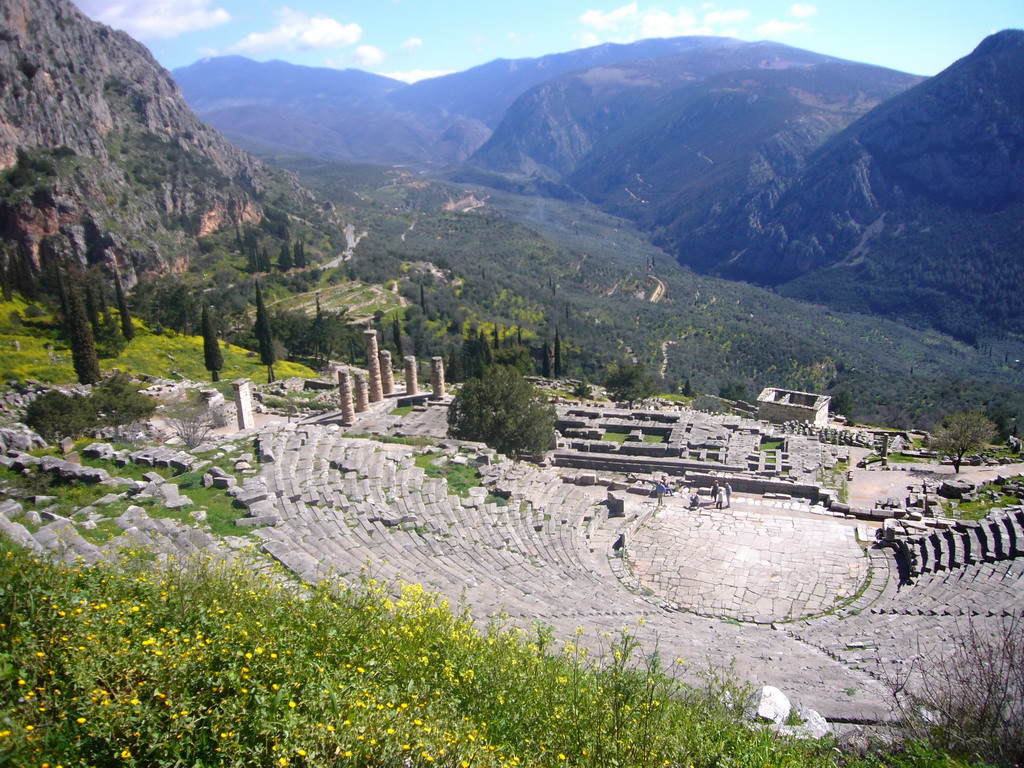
926 183
105 162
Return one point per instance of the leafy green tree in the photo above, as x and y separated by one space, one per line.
264 335
213 358
962 433
515 356
118 402
503 410
631 383
83 345
114 402
109 338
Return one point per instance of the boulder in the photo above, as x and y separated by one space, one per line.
771 705
956 488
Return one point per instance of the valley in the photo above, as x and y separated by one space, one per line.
574 410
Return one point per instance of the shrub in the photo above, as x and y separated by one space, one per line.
968 699
54 414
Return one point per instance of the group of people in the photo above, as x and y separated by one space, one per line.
721 495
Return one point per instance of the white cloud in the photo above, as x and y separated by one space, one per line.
776 28
631 22
415 75
609 21
802 10
726 17
368 55
297 31
155 19
412 44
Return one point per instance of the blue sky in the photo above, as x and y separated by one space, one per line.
410 39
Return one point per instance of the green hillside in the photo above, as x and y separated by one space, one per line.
34 348
540 264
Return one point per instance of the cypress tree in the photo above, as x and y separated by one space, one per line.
423 299
25 277
5 274
497 335
83 346
486 358
212 356
264 335
558 355
396 335
284 259
91 302
545 362
299 255
127 329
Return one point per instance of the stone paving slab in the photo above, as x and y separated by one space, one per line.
760 564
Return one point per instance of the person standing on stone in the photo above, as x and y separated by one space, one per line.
727 490
716 495
659 489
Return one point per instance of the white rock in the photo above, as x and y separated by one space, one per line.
770 704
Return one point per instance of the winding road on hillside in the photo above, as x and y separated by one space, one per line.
659 290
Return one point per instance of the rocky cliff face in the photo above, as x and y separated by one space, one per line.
105 162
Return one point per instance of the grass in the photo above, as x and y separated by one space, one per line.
221 511
614 437
167 355
358 300
460 477
902 458
768 444
976 510
404 410
209 664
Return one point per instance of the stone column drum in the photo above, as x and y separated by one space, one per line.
376 392
348 412
437 377
387 375
361 396
243 403
412 385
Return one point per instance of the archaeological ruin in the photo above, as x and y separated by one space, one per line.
747 557
781 405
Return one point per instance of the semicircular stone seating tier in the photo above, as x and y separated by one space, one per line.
945 585
349 506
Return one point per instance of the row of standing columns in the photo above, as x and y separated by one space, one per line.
357 398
